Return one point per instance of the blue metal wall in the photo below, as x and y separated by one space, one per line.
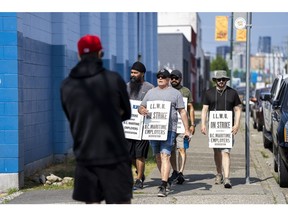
10 154
37 51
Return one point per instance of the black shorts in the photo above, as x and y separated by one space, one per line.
138 148
112 183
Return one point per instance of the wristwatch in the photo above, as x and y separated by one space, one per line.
193 124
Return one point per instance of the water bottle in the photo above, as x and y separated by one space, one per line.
186 142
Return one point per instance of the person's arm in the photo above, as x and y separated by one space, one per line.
237 112
142 110
184 118
192 117
203 119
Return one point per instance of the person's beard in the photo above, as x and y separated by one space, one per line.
176 85
135 86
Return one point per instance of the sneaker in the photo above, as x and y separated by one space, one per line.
219 179
162 192
180 178
173 177
143 176
168 188
227 183
138 184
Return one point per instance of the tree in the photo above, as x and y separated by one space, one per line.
219 64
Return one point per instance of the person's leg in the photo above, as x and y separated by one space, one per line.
158 161
218 160
182 159
226 164
165 166
155 145
173 158
218 163
226 167
140 166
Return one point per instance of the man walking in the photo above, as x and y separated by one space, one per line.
137 88
96 102
175 80
162 149
222 97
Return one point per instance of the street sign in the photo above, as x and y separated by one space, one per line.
240 23
240 20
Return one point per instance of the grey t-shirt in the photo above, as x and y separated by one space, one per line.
144 89
167 94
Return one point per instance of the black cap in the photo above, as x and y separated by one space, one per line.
163 72
138 66
176 73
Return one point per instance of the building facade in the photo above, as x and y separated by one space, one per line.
188 25
37 51
264 44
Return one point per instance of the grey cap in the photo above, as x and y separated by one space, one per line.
164 72
218 74
176 73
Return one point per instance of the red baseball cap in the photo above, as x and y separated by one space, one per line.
88 44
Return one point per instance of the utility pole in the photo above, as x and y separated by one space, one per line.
231 49
247 111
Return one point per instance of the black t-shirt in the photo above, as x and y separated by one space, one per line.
226 100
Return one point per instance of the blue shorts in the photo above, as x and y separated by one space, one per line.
163 146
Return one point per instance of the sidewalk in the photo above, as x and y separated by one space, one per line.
199 187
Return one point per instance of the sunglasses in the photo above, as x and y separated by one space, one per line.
221 79
174 78
162 77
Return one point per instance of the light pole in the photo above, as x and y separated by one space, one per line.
247 111
231 49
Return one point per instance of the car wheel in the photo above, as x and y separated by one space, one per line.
282 172
267 143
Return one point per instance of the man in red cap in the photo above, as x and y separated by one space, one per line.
96 102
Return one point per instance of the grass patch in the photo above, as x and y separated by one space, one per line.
66 169
12 190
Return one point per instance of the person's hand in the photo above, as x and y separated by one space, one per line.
143 111
203 129
192 130
187 133
235 129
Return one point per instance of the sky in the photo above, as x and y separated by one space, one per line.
273 24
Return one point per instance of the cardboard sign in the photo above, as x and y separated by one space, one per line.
134 126
180 125
157 121
220 129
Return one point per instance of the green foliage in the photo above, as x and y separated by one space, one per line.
219 64
12 190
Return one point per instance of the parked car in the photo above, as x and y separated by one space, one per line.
268 99
280 133
257 109
242 95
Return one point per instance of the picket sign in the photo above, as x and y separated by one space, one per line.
156 123
134 126
180 125
220 129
